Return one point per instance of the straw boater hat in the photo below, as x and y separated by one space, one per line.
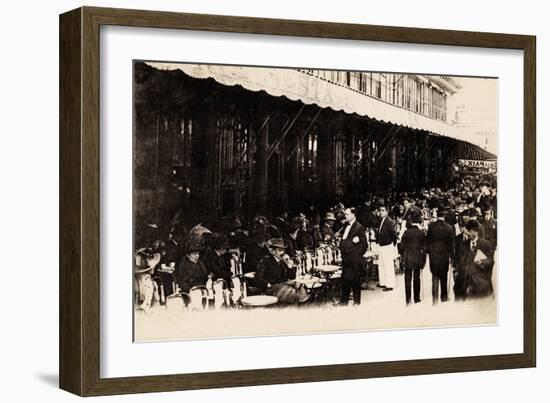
330 216
276 243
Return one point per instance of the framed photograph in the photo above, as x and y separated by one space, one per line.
249 201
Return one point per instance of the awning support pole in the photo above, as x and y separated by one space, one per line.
388 144
304 135
276 144
241 160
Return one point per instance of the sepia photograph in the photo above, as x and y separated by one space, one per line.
282 201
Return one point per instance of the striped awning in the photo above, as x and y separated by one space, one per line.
299 86
467 151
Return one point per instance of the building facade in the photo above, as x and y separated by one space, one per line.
212 142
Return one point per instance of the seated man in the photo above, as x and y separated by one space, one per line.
256 250
215 259
272 269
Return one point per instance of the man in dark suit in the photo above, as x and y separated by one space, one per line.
489 225
272 269
327 233
387 240
215 259
474 214
440 240
460 245
413 245
477 263
352 246
406 219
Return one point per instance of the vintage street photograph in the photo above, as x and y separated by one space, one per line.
283 201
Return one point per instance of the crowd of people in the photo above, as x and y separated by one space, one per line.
451 231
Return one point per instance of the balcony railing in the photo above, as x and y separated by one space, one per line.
414 93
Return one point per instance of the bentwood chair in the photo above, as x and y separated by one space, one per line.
196 298
221 293
239 290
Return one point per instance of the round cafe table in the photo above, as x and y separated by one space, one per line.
259 301
328 268
332 275
309 281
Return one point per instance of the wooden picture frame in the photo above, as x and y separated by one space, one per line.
79 346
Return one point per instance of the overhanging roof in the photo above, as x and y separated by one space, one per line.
299 86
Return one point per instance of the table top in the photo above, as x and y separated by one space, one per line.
328 268
259 300
309 281
250 274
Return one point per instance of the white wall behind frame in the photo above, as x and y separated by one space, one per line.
120 45
30 203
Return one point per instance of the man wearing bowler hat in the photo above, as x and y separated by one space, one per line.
353 246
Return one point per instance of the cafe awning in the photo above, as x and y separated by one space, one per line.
297 85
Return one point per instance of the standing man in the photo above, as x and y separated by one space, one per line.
478 262
387 240
327 232
460 246
489 225
414 256
352 246
440 239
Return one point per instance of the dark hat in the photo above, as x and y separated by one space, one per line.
260 219
473 225
236 223
293 226
219 241
416 216
193 245
276 243
258 233
340 215
473 212
486 206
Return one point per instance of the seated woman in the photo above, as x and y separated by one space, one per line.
144 286
190 271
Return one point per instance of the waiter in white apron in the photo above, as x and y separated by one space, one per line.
387 239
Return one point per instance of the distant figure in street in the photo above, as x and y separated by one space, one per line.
413 245
489 225
353 246
440 240
387 240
